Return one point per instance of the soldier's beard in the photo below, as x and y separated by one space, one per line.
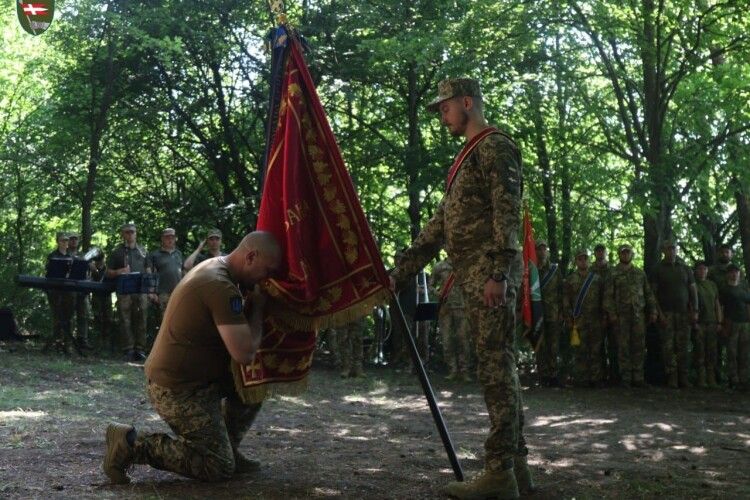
459 129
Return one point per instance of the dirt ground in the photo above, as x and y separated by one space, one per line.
373 438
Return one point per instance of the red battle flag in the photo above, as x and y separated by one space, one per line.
332 272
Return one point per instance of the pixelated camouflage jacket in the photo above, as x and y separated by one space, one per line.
627 290
551 293
592 304
478 219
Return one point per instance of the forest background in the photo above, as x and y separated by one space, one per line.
633 118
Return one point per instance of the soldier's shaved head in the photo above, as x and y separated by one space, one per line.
262 242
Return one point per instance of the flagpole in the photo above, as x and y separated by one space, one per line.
437 415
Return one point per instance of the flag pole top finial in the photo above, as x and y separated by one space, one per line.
277 9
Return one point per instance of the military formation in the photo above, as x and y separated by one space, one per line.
696 312
74 312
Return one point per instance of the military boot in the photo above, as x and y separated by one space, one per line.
119 455
523 475
244 465
486 484
701 377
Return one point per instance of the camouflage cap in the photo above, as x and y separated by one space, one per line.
214 232
625 246
73 234
455 87
733 267
61 235
169 232
581 251
540 243
128 226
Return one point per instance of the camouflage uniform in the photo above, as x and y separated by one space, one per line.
628 300
478 221
735 300
453 327
588 366
131 308
609 356
672 284
209 432
351 353
718 274
546 357
62 305
705 348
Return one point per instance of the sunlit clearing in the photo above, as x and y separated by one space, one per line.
466 455
388 403
542 421
629 444
662 427
446 394
328 492
372 471
284 430
117 376
7 416
294 400
587 421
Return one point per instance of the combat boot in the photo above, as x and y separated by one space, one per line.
523 475
244 465
119 455
701 377
486 484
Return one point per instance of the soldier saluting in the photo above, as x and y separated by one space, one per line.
478 222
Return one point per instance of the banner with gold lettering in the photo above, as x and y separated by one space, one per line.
332 272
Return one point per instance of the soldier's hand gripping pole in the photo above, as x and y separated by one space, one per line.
398 317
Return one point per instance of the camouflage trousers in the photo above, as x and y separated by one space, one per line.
492 331
131 310
208 429
705 347
62 305
588 355
738 353
549 349
454 332
82 309
630 331
350 339
674 335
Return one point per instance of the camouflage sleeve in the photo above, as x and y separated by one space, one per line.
608 299
422 250
500 161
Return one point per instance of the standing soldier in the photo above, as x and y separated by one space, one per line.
101 305
628 301
609 339
735 298
549 283
351 349
478 222
674 287
81 301
582 303
61 303
130 257
167 263
213 249
709 320
452 324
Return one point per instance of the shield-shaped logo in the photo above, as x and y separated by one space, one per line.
35 16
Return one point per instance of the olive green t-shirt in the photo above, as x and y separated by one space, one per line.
708 294
671 282
189 352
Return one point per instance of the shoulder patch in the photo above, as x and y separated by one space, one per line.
235 304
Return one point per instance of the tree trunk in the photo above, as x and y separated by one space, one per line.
743 215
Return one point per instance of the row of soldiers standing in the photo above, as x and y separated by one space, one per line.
132 309
606 309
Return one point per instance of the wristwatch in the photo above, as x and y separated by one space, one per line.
499 277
